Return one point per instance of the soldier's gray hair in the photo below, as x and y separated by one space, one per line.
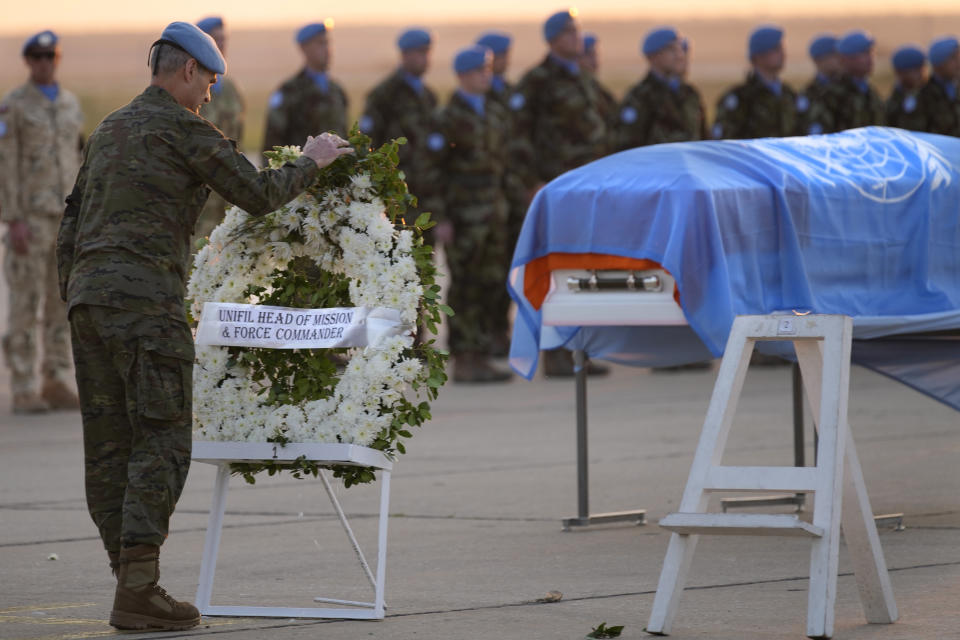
166 59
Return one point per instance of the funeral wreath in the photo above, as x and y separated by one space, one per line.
343 243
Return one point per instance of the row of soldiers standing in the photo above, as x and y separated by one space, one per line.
477 161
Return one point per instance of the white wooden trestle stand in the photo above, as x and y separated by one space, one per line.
222 454
822 344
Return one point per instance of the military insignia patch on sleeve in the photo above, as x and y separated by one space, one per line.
366 124
803 103
910 104
276 99
731 102
717 131
628 115
517 101
3 128
815 129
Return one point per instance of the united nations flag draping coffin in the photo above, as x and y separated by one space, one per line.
864 223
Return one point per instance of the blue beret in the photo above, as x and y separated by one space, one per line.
413 39
854 42
471 58
195 42
43 39
589 41
823 45
764 39
908 57
556 23
942 49
308 31
658 39
495 41
209 24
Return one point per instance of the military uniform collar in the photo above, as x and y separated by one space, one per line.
569 66
669 82
498 84
472 100
159 94
775 87
950 88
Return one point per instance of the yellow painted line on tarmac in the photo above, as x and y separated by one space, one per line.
48 607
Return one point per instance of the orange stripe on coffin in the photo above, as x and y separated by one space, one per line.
536 275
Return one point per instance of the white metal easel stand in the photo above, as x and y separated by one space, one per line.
222 454
822 344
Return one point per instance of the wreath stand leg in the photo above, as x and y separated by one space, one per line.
211 546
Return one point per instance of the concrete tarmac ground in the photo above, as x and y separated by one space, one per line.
475 537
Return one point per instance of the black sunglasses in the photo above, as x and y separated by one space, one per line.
42 55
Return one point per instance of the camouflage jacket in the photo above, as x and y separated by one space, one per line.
903 110
124 240
558 123
652 113
753 110
939 113
503 96
844 106
467 160
811 95
608 109
40 144
299 108
226 109
393 110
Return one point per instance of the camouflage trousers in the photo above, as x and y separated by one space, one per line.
476 260
135 381
35 302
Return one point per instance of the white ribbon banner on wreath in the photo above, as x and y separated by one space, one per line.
231 324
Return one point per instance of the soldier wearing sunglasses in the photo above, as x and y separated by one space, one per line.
40 141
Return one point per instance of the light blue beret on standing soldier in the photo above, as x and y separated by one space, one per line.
942 49
823 45
471 58
413 39
854 42
657 39
210 23
764 39
556 23
908 57
496 41
43 39
199 45
309 31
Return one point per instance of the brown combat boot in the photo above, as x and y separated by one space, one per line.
58 395
558 363
142 604
25 402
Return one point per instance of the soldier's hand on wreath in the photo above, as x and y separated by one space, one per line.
326 148
20 237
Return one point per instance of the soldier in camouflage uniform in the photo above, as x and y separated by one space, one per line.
939 104
850 102
590 63
467 154
558 126
310 101
909 63
122 254
763 106
500 91
823 52
40 140
661 108
226 111
402 106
